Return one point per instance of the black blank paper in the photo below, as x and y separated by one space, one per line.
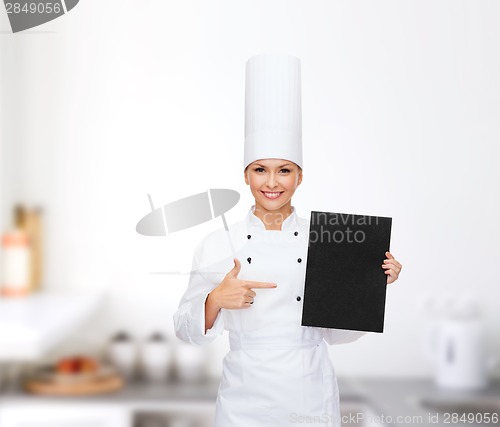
345 283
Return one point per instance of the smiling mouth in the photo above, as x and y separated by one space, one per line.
272 195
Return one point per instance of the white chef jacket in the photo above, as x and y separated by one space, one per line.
277 372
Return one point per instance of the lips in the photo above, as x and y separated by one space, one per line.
272 195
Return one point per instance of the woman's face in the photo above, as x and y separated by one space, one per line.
273 182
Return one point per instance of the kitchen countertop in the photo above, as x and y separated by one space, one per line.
393 402
397 402
134 392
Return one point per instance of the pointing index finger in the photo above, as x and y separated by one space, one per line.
252 284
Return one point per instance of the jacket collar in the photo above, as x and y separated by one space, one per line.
290 222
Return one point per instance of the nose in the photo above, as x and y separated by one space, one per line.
272 181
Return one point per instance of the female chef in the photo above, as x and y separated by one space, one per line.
250 278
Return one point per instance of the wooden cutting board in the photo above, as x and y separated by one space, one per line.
105 384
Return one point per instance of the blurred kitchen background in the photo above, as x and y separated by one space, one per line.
119 99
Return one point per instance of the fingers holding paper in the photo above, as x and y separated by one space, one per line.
392 268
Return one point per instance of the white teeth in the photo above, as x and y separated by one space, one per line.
272 195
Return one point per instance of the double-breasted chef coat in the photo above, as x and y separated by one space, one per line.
277 372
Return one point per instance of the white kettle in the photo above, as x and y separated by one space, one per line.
457 347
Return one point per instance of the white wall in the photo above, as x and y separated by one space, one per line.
118 99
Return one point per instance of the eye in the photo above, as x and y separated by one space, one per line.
258 169
286 170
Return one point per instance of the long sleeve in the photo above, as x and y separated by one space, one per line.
189 319
341 336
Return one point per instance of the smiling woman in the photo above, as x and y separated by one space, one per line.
275 367
273 183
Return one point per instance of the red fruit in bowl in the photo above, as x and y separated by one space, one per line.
66 365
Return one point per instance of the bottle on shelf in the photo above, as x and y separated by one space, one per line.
16 258
33 227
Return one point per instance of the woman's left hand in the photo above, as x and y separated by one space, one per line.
392 268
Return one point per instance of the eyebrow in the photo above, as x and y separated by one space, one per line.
286 164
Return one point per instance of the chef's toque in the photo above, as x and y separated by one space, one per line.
273 117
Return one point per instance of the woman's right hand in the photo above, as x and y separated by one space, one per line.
235 293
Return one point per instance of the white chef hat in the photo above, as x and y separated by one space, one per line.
273 117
